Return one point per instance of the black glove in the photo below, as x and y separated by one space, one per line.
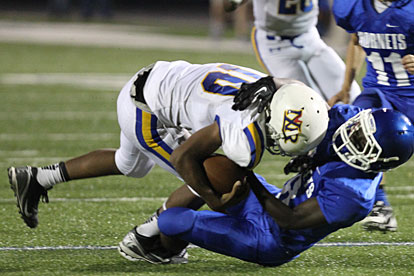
299 164
260 92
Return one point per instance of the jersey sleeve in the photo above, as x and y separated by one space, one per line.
343 11
243 145
347 196
330 201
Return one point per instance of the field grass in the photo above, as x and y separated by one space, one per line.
43 123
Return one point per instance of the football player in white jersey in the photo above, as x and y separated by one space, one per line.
288 45
176 114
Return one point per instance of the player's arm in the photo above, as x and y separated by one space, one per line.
354 59
306 215
188 161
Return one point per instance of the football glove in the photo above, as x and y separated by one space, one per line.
259 92
299 164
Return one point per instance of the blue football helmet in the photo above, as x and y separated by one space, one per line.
375 140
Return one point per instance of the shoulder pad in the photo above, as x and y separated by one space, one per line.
341 112
344 11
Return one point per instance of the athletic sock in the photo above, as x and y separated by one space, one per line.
48 176
381 196
150 227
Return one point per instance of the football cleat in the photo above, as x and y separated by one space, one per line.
135 247
27 192
381 218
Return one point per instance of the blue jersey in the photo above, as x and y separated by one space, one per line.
338 114
385 37
344 194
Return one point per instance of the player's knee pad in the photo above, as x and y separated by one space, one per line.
176 221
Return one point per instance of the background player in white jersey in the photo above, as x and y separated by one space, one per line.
160 107
288 45
382 31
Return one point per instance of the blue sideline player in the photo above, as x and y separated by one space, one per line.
383 31
272 226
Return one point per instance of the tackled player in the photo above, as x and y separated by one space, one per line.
273 226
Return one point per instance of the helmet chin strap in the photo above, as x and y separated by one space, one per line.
272 138
389 159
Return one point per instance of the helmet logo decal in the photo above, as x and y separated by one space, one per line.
292 125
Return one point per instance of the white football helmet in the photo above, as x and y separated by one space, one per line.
298 120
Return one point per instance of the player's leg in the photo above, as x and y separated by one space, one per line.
249 239
382 217
218 232
278 57
182 197
202 228
327 70
243 233
30 184
144 241
153 144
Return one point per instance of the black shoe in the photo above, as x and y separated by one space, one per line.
135 247
27 192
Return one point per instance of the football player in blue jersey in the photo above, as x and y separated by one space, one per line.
383 31
273 226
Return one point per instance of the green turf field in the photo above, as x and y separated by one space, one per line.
50 112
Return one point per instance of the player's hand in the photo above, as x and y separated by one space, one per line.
408 63
231 5
259 92
239 192
341 96
298 164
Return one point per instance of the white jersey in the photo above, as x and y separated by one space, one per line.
285 17
192 96
288 45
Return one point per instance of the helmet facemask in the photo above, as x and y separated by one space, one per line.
355 144
272 141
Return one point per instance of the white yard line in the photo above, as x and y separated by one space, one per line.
113 36
19 153
138 199
96 199
96 81
403 189
58 136
58 115
110 247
